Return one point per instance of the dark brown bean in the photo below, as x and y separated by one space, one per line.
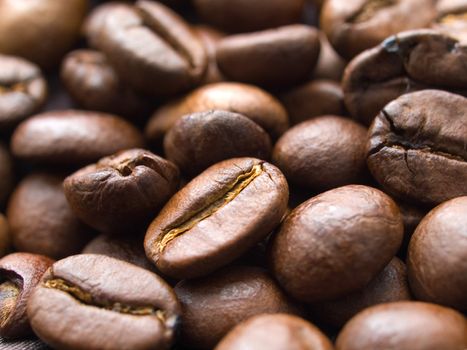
239 292
404 326
336 243
94 85
23 90
123 192
404 63
210 38
247 16
416 148
275 332
330 65
40 219
275 57
19 274
199 140
252 102
6 173
217 217
437 257
313 99
390 285
353 27
452 19
323 153
152 48
96 302
72 137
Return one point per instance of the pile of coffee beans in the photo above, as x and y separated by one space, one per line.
233 175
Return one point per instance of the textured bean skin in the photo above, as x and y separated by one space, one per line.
336 243
209 222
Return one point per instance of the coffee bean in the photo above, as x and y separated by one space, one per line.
239 292
199 140
353 27
416 147
94 85
72 137
22 344
252 102
336 243
129 249
152 48
275 57
403 63
6 173
19 274
275 332
5 239
412 214
313 99
247 16
389 285
23 90
122 192
42 31
216 217
437 257
404 326
96 302
40 219
322 153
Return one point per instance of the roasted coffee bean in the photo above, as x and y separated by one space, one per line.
19 274
199 140
322 153
40 30
122 192
239 292
96 20
272 58
40 219
437 257
313 99
390 285
252 102
23 90
5 239
405 326
275 332
152 48
416 147
6 173
210 37
412 214
403 63
216 217
353 27
336 243
129 249
94 85
96 302
452 19
330 65
72 137
247 16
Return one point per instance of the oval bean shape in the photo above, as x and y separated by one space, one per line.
73 137
219 215
95 302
